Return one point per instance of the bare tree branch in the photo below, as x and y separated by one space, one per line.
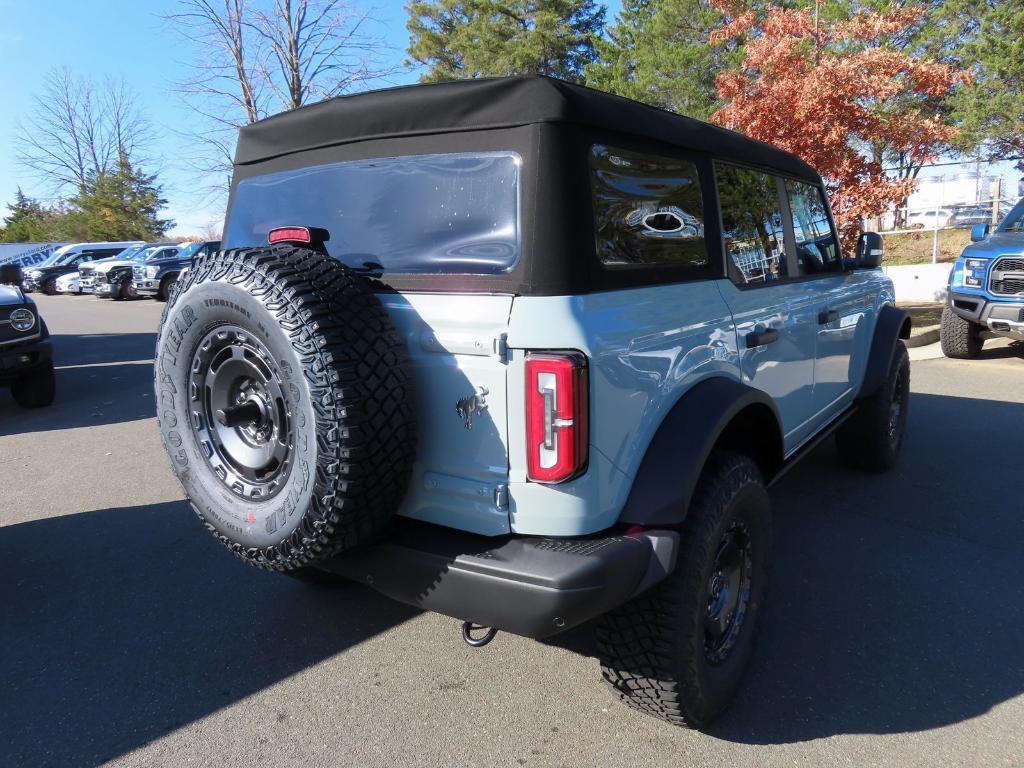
254 58
75 131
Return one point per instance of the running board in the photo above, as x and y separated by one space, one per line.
814 442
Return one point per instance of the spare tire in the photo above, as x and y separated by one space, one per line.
283 399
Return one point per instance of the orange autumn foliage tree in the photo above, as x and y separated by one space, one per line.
829 91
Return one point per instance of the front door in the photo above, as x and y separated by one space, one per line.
845 299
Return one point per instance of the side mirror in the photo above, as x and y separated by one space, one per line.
869 250
979 232
11 274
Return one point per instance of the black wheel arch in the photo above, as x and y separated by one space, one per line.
716 413
892 325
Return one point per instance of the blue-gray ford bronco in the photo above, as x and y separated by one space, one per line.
528 355
986 288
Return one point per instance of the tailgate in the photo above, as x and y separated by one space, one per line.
455 343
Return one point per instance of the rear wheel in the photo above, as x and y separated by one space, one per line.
960 338
37 388
285 404
679 651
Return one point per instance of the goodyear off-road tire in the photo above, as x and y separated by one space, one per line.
871 439
306 344
960 339
658 652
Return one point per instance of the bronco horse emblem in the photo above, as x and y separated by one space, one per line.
467 407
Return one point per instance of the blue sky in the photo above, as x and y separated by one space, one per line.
130 40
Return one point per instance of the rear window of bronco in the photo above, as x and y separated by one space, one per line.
452 213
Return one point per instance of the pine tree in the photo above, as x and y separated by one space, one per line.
120 205
27 220
480 38
657 52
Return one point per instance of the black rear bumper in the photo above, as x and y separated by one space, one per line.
18 359
529 586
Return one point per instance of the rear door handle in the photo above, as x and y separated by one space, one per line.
760 338
828 316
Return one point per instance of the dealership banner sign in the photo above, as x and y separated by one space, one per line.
27 254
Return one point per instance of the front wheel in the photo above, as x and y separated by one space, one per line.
124 291
50 287
37 388
679 651
960 339
165 287
871 438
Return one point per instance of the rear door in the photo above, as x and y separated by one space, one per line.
456 344
775 317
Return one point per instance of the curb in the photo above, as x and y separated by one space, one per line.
922 337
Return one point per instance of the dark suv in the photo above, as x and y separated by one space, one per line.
26 353
157 275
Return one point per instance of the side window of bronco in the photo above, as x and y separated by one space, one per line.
647 209
752 226
816 247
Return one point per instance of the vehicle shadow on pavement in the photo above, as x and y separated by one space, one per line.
124 624
897 600
1013 350
101 379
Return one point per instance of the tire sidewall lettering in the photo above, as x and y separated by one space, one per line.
197 311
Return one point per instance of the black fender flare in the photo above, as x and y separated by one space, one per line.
714 411
892 325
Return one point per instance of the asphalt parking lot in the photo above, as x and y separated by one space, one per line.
893 635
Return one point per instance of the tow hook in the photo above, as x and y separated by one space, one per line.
468 628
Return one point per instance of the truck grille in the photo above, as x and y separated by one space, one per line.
138 273
1006 277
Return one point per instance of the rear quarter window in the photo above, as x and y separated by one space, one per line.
648 209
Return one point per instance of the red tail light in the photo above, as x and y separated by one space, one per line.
556 416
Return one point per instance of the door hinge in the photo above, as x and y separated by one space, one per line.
501 496
501 347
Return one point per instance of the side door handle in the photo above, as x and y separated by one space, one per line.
760 338
828 316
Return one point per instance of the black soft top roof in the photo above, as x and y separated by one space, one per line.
481 104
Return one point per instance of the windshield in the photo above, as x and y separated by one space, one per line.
456 213
129 252
67 258
147 252
188 249
1014 221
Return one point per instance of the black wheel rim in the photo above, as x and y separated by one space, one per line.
240 416
728 593
897 407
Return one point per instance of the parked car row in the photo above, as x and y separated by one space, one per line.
122 270
959 216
